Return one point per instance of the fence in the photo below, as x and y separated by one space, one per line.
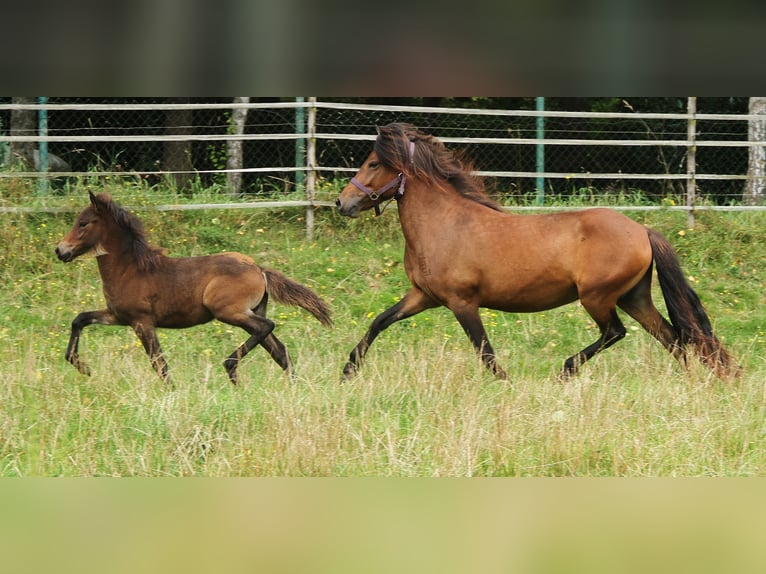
290 149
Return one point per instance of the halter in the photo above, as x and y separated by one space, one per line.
375 195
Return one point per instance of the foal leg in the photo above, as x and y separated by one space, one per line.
470 320
273 346
612 330
103 317
260 329
147 334
277 351
411 304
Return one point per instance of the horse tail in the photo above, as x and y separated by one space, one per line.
687 315
290 292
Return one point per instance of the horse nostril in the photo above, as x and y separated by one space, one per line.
337 203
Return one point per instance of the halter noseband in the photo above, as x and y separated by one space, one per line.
375 195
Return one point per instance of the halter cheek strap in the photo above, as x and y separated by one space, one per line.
375 195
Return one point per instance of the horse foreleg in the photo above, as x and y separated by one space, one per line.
470 320
82 320
411 304
147 334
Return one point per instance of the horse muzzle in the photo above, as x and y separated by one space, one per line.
348 208
64 252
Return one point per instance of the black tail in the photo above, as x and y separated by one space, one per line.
685 309
290 292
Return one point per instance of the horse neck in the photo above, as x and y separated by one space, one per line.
118 255
423 204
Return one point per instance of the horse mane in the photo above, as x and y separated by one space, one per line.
431 162
147 257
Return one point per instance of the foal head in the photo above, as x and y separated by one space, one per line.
103 223
87 234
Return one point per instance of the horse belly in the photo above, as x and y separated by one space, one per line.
532 299
183 318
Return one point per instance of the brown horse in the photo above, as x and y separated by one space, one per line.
463 252
146 289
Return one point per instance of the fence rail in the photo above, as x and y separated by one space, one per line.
589 146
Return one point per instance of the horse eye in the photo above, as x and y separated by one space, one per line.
374 164
83 224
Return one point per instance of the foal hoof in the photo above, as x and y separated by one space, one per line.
81 367
565 375
349 371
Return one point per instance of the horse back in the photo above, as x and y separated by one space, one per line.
525 262
185 291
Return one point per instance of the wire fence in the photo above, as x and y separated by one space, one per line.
298 150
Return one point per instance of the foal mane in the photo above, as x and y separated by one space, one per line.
431 161
147 256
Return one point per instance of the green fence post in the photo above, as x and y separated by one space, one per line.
42 129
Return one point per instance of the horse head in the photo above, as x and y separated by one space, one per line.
383 174
87 233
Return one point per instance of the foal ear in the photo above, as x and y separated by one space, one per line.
93 200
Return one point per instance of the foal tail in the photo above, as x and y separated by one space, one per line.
686 312
290 292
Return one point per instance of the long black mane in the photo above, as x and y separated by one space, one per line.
431 162
147 256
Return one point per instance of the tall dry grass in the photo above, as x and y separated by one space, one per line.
422 404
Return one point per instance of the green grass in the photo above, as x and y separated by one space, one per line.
422 404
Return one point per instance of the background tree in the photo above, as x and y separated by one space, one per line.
177 155
756 170
234 147
23 123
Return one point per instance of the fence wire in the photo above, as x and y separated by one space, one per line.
583 154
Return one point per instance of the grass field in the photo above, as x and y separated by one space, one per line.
422 404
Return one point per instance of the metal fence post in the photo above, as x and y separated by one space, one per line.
691 159
42 128
540 105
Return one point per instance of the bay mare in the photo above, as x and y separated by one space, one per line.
463 252
147 290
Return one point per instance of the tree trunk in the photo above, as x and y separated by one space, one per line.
755 188
23 123
177 155
234 147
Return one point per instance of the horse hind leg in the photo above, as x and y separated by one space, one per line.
260 329
638 304
274 347
612 330
277 350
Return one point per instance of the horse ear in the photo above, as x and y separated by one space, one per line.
93 200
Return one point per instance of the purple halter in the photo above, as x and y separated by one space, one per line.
375 195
